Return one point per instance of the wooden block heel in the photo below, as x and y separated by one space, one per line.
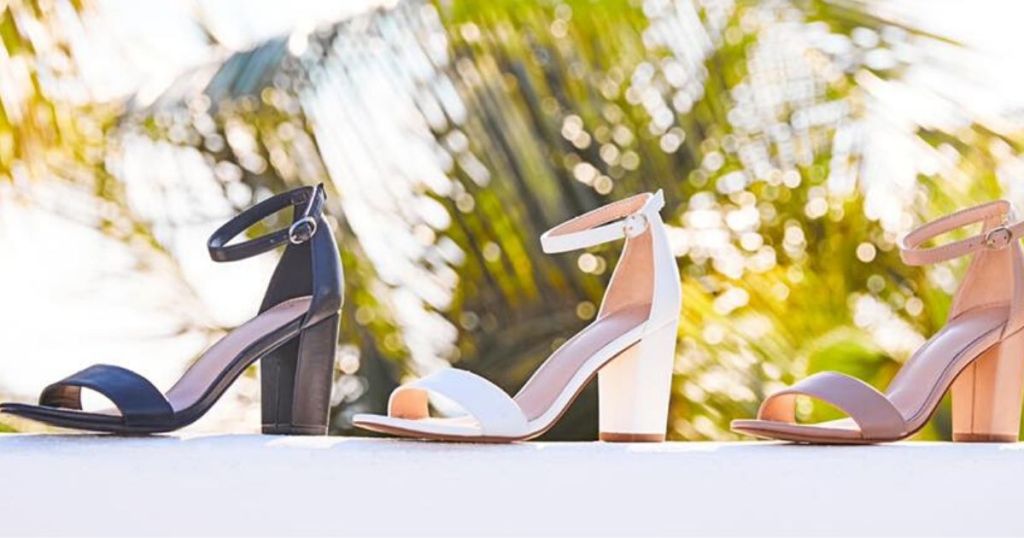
987 395
634 389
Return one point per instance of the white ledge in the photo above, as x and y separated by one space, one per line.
250 484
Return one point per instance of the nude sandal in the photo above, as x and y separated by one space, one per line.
979 353
630 347
295 335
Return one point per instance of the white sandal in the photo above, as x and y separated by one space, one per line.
631 346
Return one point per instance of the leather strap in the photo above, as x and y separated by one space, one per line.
494 410
599 226
997 237
310 199
877 417
138 400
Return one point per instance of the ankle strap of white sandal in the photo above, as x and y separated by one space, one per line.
994 238
626 218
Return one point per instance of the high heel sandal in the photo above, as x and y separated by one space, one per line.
630 347
979 354
295 335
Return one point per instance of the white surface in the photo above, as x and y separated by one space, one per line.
250 485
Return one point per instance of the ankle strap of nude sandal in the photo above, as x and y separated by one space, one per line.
626 218
308 203
995 237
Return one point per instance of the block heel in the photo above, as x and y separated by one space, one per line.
634 389
296 382
987 395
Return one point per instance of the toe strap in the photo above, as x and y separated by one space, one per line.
876 416
138 400
496 412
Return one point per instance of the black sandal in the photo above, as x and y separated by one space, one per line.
295 334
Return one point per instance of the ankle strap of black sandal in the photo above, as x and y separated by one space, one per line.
304 225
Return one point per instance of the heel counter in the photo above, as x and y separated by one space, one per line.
326 275
994 276
667 293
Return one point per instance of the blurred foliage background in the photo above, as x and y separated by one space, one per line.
795 141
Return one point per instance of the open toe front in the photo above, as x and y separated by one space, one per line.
491 414
872 416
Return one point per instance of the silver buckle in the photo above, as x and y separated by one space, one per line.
634 224
296 237
998 238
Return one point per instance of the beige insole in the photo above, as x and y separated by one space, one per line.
548 382
193 384
963 338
